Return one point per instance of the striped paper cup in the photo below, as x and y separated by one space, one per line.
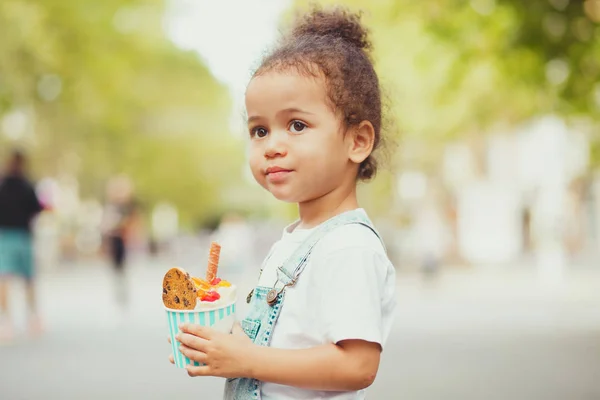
219 318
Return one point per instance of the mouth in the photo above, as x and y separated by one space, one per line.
276 170
277 174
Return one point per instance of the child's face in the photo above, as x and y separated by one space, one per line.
297 150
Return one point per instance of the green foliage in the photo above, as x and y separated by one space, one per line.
127 101
454 68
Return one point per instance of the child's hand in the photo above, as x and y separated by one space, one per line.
225 355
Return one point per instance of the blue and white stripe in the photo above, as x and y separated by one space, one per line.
203 318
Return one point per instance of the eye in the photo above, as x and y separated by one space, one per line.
258 132
297 126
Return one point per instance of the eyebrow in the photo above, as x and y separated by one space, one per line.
285 111
294 110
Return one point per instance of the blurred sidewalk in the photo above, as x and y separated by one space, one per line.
471 334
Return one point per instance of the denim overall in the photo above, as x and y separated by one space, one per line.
262 315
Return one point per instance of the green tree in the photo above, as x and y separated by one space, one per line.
106 92
455 66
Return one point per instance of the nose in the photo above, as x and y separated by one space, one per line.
276 145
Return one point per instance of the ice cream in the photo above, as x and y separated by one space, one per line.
214 294
184 292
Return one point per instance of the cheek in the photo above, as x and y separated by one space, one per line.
255 160
253 155
327 155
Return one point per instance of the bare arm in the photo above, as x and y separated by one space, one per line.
349 365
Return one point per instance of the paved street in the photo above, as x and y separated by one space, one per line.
483 335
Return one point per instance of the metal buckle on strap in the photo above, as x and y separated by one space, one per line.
274 293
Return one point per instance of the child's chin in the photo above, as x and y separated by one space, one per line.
285 196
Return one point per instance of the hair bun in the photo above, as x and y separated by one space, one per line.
336 22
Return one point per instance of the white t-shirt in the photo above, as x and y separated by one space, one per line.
346 291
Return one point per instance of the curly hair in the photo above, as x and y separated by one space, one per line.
334 44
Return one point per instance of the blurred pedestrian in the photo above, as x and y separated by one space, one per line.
18 207
119 221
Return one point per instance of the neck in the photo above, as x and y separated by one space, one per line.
319 210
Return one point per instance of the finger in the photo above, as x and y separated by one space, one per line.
171 359
197 330
169 339
193 354
193 342
203 370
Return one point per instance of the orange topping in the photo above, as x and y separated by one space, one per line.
201 283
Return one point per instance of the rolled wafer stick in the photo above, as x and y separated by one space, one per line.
213 261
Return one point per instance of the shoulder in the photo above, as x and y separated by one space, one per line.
352 250
30 185
24 184
350 237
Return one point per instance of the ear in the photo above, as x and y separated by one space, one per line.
360 142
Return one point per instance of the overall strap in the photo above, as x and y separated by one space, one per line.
288 273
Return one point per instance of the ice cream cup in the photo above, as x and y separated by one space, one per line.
221 318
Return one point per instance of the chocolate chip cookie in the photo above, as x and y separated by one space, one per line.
179 291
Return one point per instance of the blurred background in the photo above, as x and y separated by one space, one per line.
130 114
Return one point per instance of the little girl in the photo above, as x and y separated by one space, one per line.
324 303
